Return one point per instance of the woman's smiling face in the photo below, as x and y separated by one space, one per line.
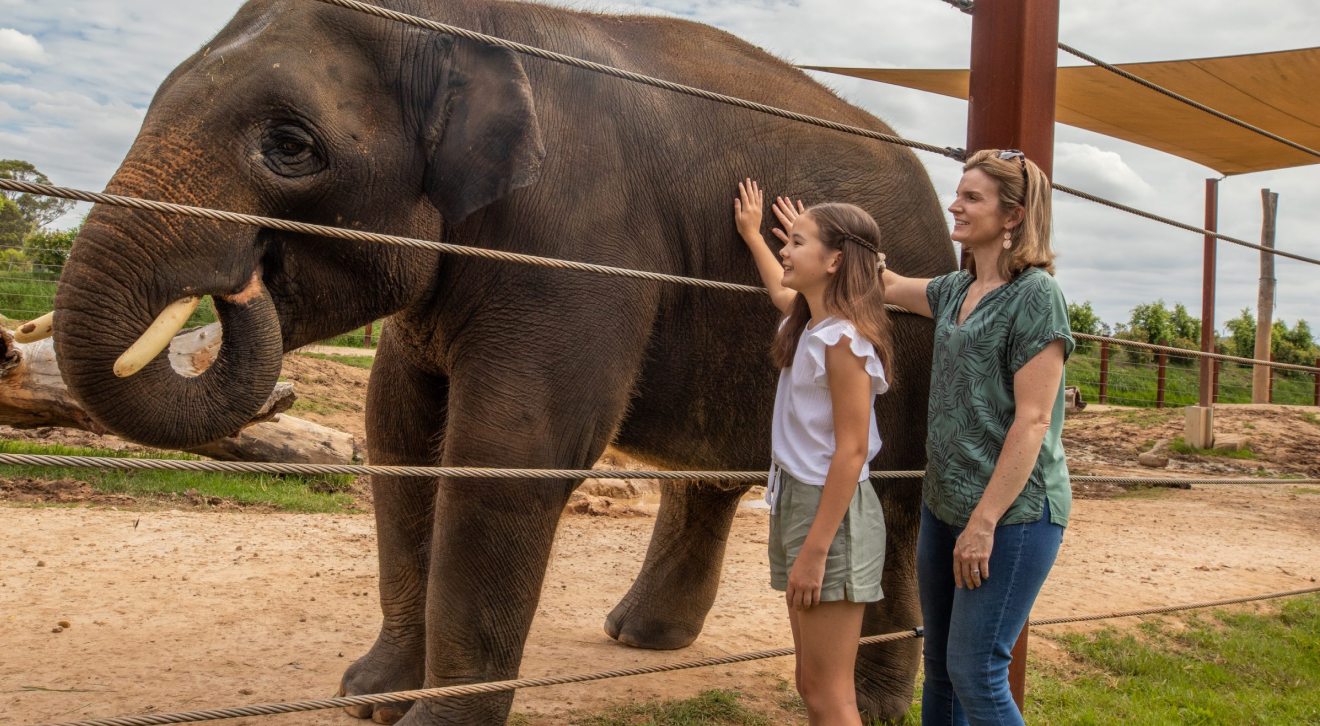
807 263
978 218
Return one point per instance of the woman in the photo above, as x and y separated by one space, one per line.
996 496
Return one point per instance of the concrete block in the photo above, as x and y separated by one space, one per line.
1199 429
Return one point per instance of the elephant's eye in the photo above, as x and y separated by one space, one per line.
290 150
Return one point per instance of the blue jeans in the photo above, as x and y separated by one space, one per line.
970 633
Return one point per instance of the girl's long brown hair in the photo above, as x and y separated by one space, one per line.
855 293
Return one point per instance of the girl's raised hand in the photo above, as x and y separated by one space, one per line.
747 210
787 215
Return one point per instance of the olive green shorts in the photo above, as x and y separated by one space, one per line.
856 558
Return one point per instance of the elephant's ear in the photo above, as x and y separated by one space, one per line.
482 136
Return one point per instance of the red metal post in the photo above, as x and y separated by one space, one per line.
1208 291
1218 364
1104 372
1161 370
1011 106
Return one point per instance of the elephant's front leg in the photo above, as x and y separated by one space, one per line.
667 604
405 418
492 537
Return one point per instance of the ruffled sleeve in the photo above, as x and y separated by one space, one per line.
830 334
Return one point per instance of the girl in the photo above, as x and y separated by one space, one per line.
996 496
827 532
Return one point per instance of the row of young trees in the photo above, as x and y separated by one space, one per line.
26 245
1157 323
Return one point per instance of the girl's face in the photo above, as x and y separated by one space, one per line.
978 218
808 264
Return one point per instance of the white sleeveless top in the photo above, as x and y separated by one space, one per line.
802 439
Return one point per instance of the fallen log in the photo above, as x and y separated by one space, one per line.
33 395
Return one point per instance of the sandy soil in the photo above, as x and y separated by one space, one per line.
173 610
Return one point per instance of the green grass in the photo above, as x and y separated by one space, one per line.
1133 383
1221 668
708 709
357 361
1179 445
292 493
1306 490
355 338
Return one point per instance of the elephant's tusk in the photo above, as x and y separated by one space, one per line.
157 338
34 330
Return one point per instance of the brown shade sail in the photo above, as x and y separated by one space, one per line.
1274 91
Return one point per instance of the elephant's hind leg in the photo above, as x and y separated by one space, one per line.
405 418
667 604
887 672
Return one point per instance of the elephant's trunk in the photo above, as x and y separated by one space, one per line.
113 290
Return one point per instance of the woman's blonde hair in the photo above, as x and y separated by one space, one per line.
1021 184
855 293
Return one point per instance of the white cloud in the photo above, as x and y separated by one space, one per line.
19 46
1100 172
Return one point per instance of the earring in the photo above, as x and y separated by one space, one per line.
1008 240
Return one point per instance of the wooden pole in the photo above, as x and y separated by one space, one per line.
1260 375
1161 370
1104 372
1206 397
366 338
1011 106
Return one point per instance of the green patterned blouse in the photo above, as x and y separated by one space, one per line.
971 395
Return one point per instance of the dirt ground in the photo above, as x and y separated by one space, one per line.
174 610
203 606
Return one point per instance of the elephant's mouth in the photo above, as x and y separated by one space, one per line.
122 375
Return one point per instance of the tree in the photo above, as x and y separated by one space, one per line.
39 211
13 226
1083 319
1294 345
48 250
1241 340
1156 323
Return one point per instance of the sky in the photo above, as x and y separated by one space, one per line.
76 77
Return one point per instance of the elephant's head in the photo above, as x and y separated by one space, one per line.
302 111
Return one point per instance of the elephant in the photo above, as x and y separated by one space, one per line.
319 114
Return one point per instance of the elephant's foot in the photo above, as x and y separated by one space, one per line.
883 707
650 623
667 604
387 667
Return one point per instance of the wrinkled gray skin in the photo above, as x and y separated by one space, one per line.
315 113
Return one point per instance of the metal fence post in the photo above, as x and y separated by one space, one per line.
1104 373
1160 376
1218 365
1317 383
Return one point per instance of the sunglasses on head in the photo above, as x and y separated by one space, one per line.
1010 154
